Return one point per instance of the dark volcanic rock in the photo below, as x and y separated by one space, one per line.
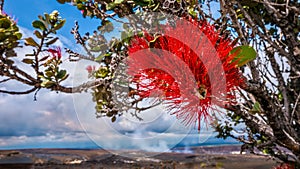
15 159
101 159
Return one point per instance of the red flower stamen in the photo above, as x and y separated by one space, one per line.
191 65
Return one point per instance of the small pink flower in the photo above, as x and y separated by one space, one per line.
3 13
90 68
56 53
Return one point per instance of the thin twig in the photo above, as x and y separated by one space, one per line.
5 80
295 106
1 6
18 93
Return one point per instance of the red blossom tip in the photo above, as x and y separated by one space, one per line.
284 166
55 52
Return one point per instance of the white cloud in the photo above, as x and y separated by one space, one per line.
24 121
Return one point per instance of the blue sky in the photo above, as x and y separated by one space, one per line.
53 120
25 11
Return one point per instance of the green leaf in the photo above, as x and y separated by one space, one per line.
28 61
41 17
52 41
156 7
102 72
60 24
109 26
126 36
47 18
80 6
44 58
18 35
113 42
47 84
192 12
9 62
243 55
280 96
108 114
265 151
64 78
106 26
118 2
5 23
100 57
99 48
2 36
113 119
61 1
125 26
237 118
30 54
240 16
31 42
123 35
61 74
38 34
256 108
49 73
39 25
110 6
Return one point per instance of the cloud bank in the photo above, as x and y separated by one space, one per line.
58 120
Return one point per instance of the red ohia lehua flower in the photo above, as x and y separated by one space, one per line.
190 63
55 52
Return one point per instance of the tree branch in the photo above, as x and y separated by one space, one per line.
281 86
